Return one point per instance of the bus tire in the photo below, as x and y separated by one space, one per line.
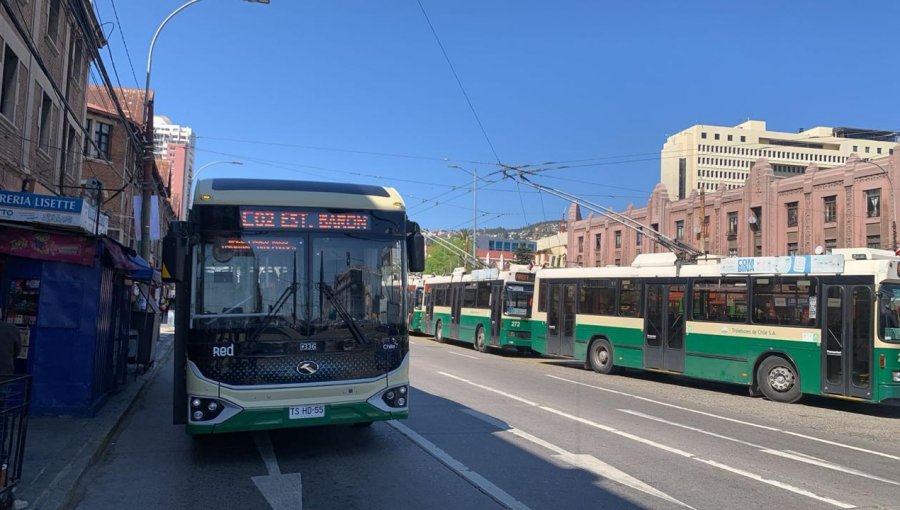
600 357
778 380
480 344
439 332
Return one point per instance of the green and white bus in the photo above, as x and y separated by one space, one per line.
417 305
783 326
487 308
290 306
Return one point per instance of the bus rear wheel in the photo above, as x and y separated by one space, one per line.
778 380
600 357
439 332
480 344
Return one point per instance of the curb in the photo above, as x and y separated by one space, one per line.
62 491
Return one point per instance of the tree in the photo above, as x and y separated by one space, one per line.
441 260
523 255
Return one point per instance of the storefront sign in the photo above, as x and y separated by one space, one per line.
44 246
51 210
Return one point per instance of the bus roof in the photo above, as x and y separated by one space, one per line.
283 192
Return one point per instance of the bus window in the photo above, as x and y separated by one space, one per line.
484 295
630 298
543 292
889 315
597 297
720 299
787 301
469 295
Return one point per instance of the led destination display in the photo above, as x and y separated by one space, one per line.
303 219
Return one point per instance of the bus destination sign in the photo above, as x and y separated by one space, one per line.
524 277
257 218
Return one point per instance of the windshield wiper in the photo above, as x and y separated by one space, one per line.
274 309
358 335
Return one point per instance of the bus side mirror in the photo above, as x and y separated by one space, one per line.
174 255
415 248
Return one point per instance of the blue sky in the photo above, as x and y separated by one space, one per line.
359 91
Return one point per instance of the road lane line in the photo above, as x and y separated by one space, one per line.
480 482
498 392
463 355
588 463
281 491
670 449
733 420
799 457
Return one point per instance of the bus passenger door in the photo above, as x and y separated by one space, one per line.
664 326
496 311
561 319
455 306
847 337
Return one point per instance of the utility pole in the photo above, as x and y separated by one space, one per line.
474 214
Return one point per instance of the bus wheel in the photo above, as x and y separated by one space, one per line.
600 357
778 380
439 332
480 344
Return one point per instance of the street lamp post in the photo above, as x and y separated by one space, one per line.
204 167
474 173
148 133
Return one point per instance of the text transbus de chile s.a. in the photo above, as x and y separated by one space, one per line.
291 304
487 308
783 326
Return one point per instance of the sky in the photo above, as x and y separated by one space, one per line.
360 91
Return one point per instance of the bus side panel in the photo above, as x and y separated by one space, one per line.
729 353
469 320
442 314
539 336
884 387
515 332
625 334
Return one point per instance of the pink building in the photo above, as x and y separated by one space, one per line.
848 206
177 154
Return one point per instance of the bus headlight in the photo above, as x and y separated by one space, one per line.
396 397
205 409
895 376
195 403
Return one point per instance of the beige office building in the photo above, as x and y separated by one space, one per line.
720 157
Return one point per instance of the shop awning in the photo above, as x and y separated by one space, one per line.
128 260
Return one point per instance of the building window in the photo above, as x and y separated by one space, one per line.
873 242
878 150
703 135
53 20
75 58
639 239
743 138
716 136
729 138
598 241
46 118
791 214
792 249
732 223
732 252
856 148
618 239
580 244
679 230
8 92
100 133
873 203
831 243
868 149
830 209
682 177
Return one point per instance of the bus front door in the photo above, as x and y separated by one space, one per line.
847 330
664 326
496 311
561 319
456 297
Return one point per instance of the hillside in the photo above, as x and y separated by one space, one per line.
533 231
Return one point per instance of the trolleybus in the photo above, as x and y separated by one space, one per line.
487 308
290 307
417 304
783 326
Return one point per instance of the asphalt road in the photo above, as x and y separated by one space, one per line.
499 431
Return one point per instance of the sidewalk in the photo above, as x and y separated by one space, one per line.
58 450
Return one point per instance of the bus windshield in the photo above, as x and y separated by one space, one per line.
518 300
269 277
889 315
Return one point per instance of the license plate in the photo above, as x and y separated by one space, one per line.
302 412
309 346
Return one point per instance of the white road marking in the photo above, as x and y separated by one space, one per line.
787 454
733 420
586 462
670 449
282 491
482 483
498 392
463 355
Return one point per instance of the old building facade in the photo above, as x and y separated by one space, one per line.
851 205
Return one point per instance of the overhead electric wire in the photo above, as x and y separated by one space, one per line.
124 44
459 82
